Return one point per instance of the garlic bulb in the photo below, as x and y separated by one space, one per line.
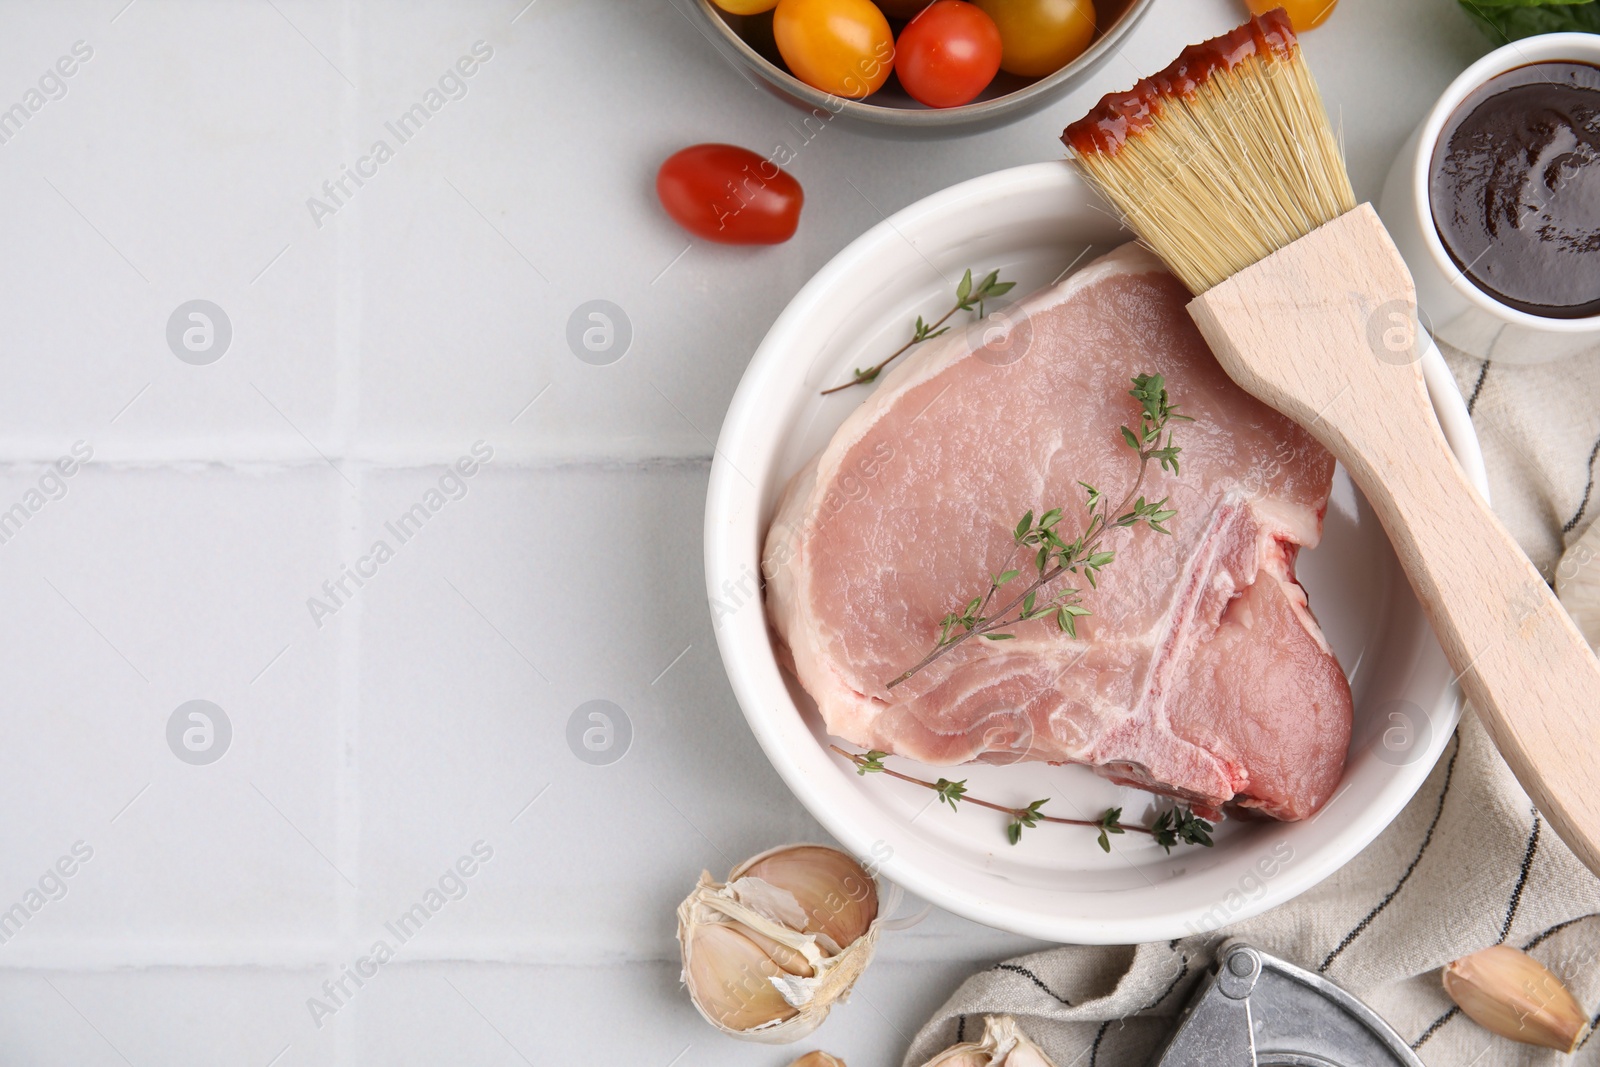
1003 1045
767 953
1508 992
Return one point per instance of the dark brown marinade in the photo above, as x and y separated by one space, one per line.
1119 116
1514 188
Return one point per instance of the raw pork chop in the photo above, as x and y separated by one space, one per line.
1201 672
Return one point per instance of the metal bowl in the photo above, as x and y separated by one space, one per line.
746 41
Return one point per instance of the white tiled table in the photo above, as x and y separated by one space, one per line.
428 313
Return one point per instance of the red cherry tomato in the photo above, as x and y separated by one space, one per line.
730 195
948 54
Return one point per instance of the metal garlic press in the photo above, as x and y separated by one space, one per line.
1258 1011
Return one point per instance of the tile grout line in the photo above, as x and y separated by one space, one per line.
346 422
380 456
348 717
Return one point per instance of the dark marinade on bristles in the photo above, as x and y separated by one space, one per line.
1119 115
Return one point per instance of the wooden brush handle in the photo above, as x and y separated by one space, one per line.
1317 330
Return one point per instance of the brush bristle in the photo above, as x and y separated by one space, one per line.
1222 158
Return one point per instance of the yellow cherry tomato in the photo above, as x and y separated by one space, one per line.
1039 37
746 7
1303 14
842 47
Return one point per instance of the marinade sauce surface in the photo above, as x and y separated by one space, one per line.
1515 188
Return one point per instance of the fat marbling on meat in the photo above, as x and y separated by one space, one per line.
1201 672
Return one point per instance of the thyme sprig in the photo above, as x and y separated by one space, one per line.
1052 556
1175 826
970 296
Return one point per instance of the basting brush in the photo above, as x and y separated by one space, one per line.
1227 168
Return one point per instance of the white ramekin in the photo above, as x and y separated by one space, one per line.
1460 313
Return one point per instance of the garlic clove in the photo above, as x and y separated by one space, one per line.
1508 992
791 960
1003 1045
839 899
960 1056
729 978
818 1059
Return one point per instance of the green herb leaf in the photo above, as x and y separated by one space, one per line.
1110 822
871 762
1028 816
1175 826
923 330
1512 20
1180 825
950 792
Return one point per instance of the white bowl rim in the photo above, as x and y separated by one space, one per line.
1541 48
754 677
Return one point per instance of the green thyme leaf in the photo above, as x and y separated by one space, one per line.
871 762
950 792
922 330
1177 825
